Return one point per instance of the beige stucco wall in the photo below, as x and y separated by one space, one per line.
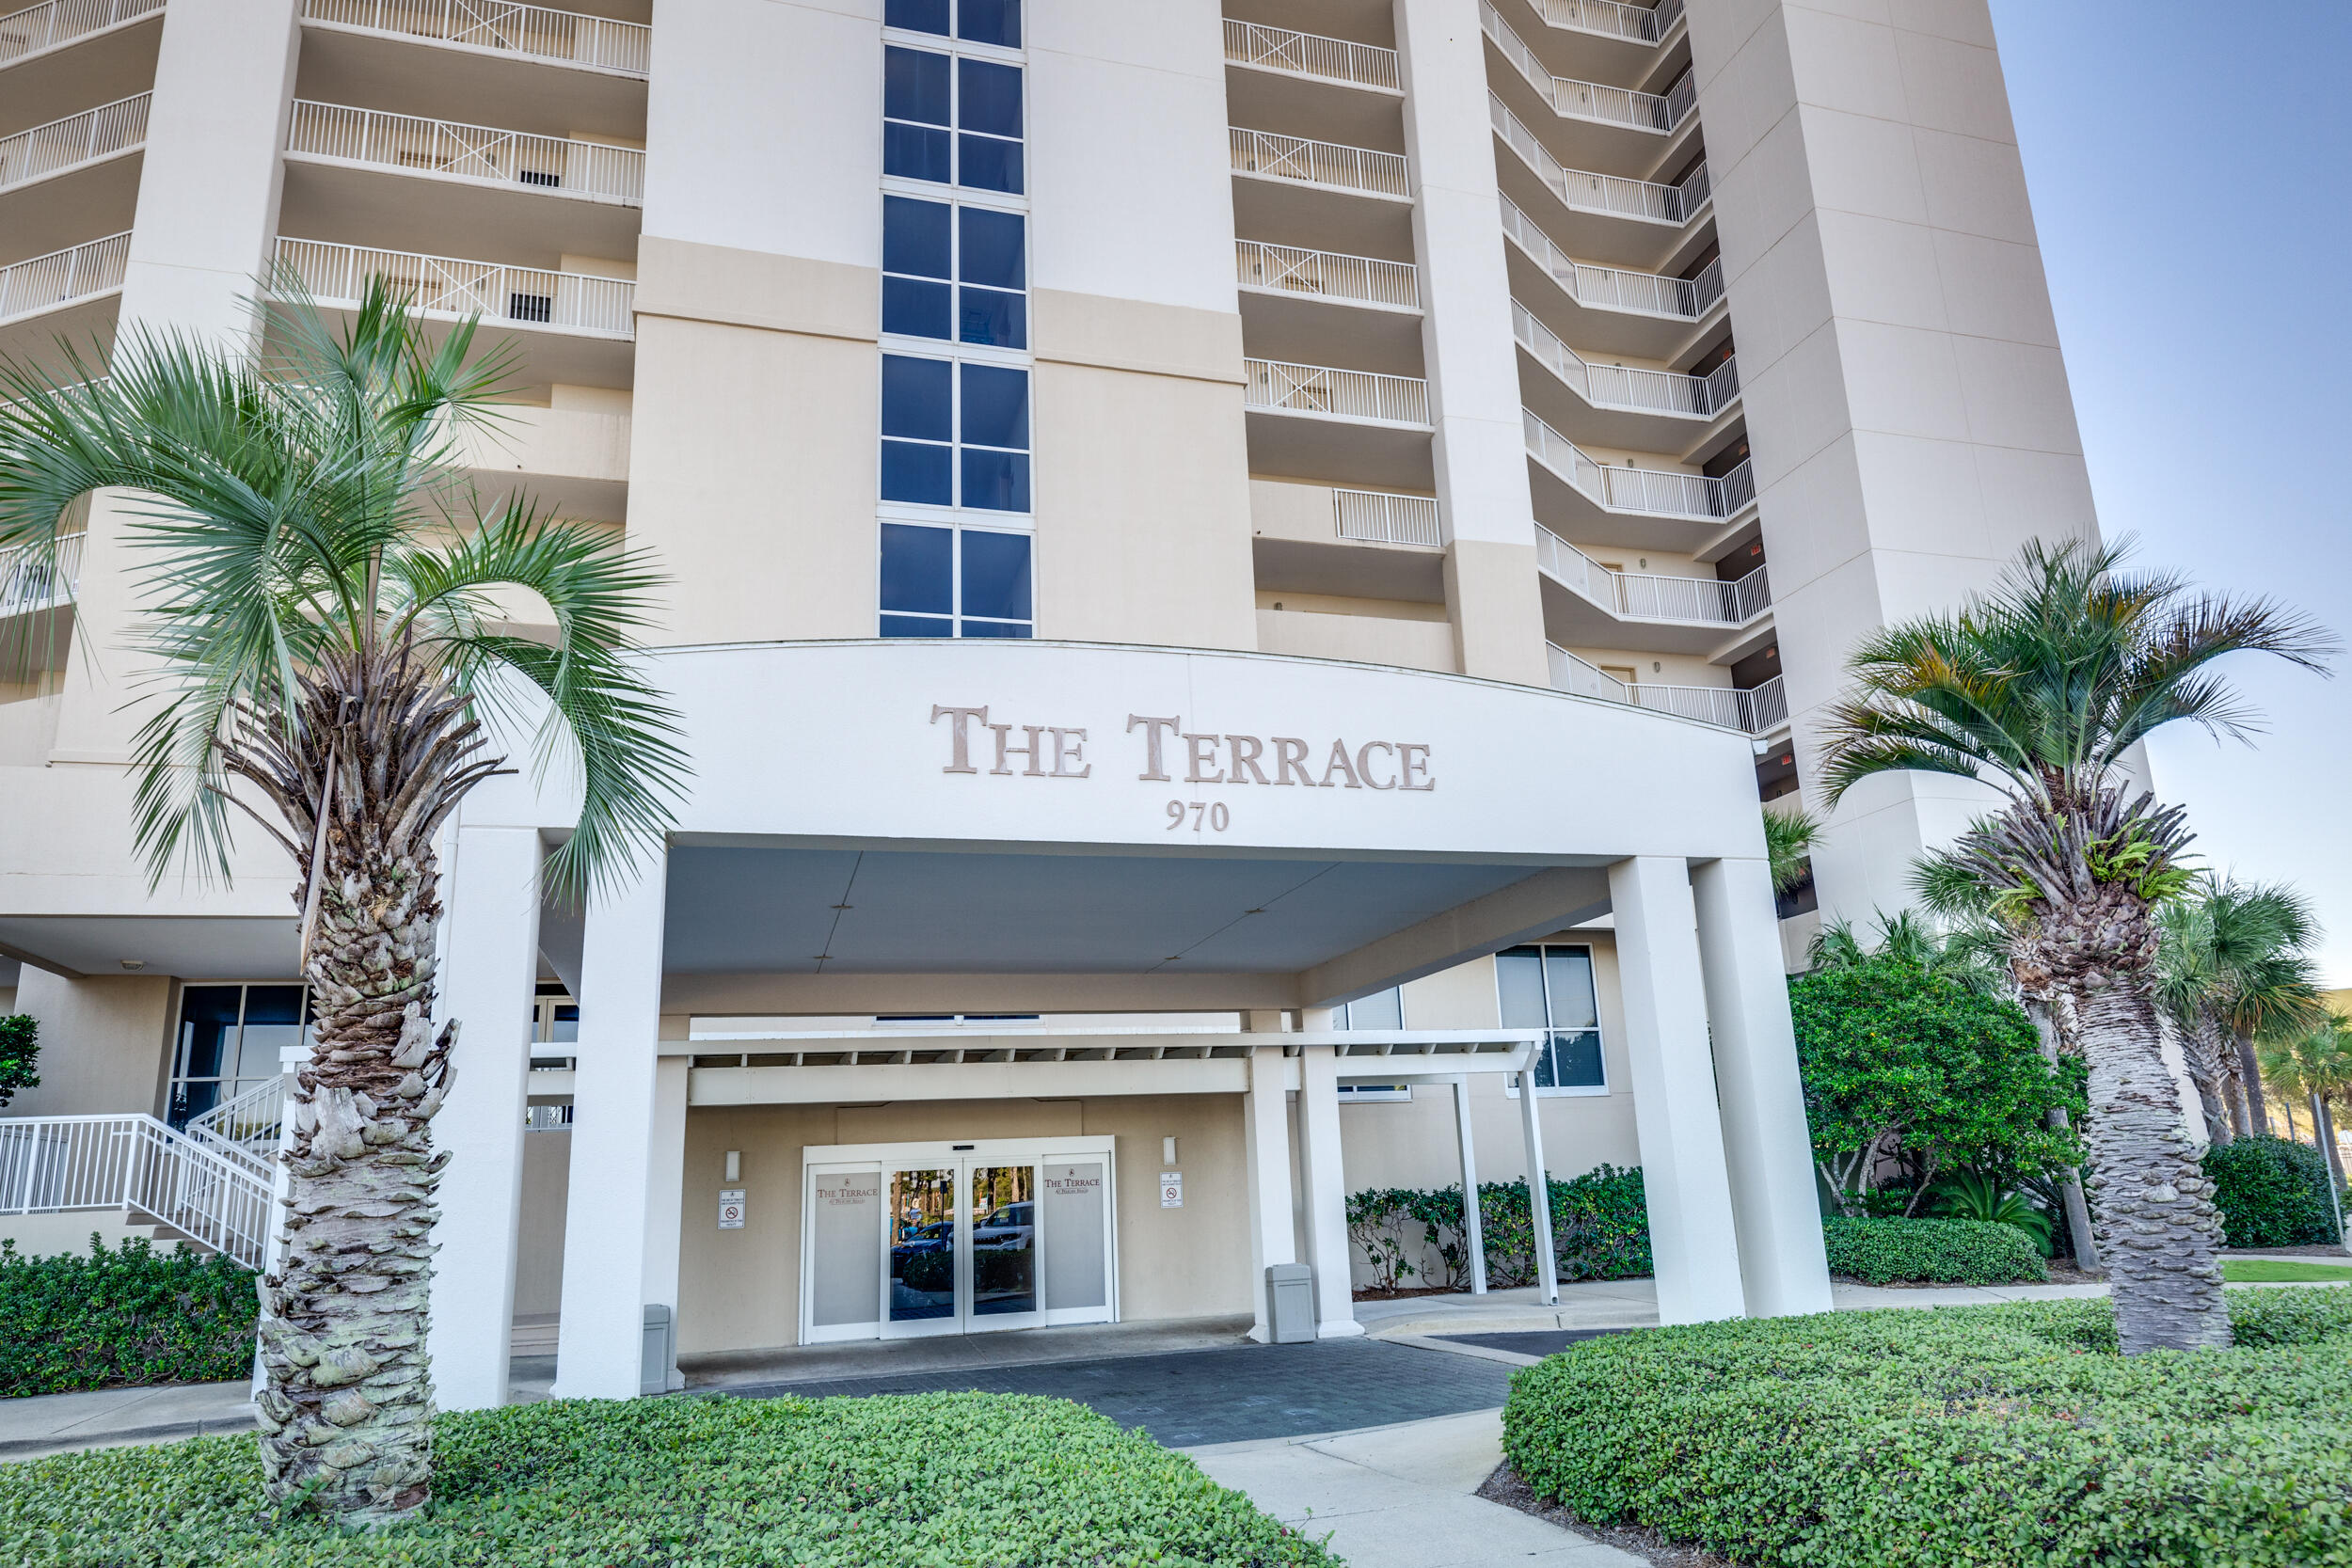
1415 644
102 1043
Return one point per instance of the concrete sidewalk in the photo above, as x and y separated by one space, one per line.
110 1417
1402 1496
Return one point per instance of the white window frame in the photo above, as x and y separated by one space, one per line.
174 1078
907 343
1561 1091
958 525
1373 1094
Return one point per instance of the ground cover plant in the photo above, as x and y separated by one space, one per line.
1956 1252
1963 1436
890 1482
122 1315
2271 1192
2271 1271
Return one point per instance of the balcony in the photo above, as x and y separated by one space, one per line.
371 177
1309 305
1650 25
1623 405
549 305
1378 518
64 145
1756 710
1628 126
1325 276
1606 39
1647 597
29 584
1264 156
1609 309
57 23
1321 196
565 37
1259 47
60 181
68 294
57 60
1608 504
1608 217
1346 426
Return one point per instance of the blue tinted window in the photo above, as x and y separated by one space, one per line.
994 628
917 308
916 237
991 22
996 575
995 249
924 475
992 98
989 164
995 406
995 481
918 570
1570 1062
915 152
917 625
991 316
916 398
915 85
916 16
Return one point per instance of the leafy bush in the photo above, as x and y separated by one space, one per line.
1971 1195
20 1052
129 1316
892 1482
1964 1435
2272 1191
1951 1252
1600 1231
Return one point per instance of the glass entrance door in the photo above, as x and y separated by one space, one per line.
921 1291
1002 1212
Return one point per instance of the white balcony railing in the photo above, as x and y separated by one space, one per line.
29 582
1281 269
1644 293
1632 387
1319 163
59 144
1326 394
443 147
1361 65
62 276
1612 19
443 285
1647 597
55 22
1613 195
1756 710
1378 518
243 1131
52 1165
1593 101
534 30
1656 492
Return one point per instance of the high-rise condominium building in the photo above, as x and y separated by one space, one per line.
1236 581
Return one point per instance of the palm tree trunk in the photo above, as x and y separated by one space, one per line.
2158 1232
2046 1028
2288 1106
2325 1116
345 1418
2250 1074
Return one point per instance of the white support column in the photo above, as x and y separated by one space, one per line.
489 969
665 1181
599 1343
1538 1192
1266 1152
1767 1147
1693 1241
1474 1225
1327 1192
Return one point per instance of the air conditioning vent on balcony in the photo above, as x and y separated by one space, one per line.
530 307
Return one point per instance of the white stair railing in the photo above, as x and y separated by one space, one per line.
1363 65
1319 163
98 133
1318 389
1615 288
1650 596
55 22
1659 492
1593 101
552 164
1626 386
62 276
1379 518
445 285
1612 19
52 1164
1758 710
1584 191
243 1131
30 581
534 30
1281 269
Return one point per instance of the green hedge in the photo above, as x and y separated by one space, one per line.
1600 1231
127 1316
1956 1252
1963 1435
891 1481
2272 1191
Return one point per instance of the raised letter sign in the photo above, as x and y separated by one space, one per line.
961 756
1155 770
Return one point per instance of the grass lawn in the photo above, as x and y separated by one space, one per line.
923 1480
2263 1271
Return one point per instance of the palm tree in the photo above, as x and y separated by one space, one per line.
2315 1062
2232 966
2037 688
1788 837
1908 937
317 584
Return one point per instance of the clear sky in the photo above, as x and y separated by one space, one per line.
2188 166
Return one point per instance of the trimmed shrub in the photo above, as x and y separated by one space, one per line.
127 1317
1963 1436
890 1482
20 1055
2272 1191
1950 1252
1600 1231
